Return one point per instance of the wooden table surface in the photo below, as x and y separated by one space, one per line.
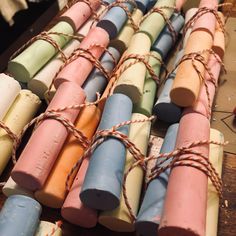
227 218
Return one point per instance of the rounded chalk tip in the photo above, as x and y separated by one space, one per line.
79 217
109 27
183 97
146 228
49 199
99 199
172 230
18 71
168 112
129 90
26 180
37 87
115 224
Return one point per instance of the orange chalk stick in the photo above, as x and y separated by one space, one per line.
54 191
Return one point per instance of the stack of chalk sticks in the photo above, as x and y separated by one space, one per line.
97 82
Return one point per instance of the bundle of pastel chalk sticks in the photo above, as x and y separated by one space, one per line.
92 156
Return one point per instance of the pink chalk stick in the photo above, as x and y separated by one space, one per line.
186 199
79 13
179 4
40 153
78 70
73 210
207 21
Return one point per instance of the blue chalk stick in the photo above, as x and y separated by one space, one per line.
150 212
96 81
165 41
142 5
102 185
19 216
114 20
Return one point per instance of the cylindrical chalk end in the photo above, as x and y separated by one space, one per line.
109 200
146 228
115 224
71 214
109 27
19 71
38 87
129 89
183 96
168 112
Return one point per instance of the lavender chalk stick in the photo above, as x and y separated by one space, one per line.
102 185
151 208
114 20
19 216
96 81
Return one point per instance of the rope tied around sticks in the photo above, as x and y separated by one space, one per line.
166 19
198 57
200 12
58 225
136 58
198 160
88 55
55 114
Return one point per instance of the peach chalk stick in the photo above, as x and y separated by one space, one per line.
119 219
73 210
78 70
186 86
131 81
42 149
216 158
12 188
20 113
46 228
122 41
189 14
9 89
54 190
78 13
184 212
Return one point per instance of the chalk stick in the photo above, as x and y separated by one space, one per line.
114 19
145 105
79 12
122 41
165 41
19 216
9 89
189 14
216 158
149 215
40 83
24 66
42 149
154 23
12 188
151 4
188 218
70 72
131 81
102 185
20 113
54 190
48 228
119 219
73 210
142 5
96 81
187 83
